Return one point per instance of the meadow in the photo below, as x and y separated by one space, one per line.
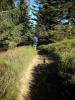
12 65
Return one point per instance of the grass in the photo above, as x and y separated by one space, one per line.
12 64
64 51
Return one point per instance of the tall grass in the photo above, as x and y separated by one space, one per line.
65 56
12 64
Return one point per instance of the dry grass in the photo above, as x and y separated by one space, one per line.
12 64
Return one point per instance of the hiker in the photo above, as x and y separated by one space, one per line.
35 41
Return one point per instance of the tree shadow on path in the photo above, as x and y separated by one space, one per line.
47 83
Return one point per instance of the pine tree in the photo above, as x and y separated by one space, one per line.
14 25
53 12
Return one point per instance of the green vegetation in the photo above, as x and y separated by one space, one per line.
55 20
64 54
55 27
14 26
12 64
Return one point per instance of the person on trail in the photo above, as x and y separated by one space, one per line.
35 42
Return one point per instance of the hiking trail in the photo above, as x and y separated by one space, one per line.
27 77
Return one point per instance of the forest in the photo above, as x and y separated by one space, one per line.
53 22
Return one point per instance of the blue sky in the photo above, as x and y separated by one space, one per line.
31 3
17 1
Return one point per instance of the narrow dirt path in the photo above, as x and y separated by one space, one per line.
27 77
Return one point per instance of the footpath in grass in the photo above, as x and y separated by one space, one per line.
26 79
12 64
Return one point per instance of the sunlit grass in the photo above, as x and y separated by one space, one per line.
12 64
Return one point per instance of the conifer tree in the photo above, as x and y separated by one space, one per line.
56 13
14 25
53 11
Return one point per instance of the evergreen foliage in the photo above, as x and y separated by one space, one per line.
57 18
14 26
